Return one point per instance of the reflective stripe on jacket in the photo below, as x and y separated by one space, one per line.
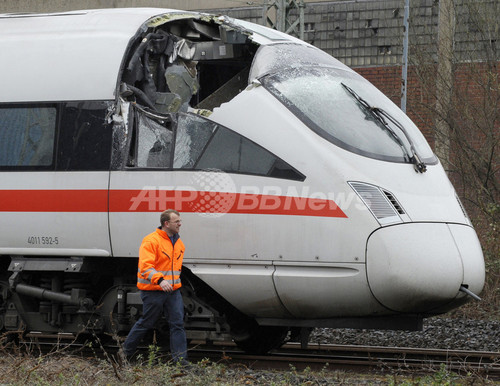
158 258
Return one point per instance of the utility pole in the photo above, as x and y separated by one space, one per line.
404 84
444 81
276 14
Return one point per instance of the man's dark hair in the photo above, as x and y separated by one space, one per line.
165 216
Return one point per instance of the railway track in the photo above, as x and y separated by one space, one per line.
316 356
360 357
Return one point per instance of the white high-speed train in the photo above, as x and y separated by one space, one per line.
308 198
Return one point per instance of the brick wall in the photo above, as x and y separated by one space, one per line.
388 80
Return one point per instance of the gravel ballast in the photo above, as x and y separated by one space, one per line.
437 333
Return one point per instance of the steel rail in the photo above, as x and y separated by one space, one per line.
356 357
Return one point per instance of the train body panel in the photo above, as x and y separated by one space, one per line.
308 198
255 283
53 213
340 287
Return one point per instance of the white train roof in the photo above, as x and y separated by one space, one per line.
76 55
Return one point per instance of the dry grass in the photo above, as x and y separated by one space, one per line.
61 367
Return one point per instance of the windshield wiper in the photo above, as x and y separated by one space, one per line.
381 115
419 165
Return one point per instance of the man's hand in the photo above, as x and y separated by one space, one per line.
165 286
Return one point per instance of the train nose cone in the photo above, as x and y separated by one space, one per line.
419 267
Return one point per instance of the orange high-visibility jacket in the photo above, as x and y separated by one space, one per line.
158 258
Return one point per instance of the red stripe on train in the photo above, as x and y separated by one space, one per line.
54 200
220 202
151 200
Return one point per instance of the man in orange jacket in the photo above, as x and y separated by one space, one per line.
158 279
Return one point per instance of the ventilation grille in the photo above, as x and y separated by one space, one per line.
394 202
382 204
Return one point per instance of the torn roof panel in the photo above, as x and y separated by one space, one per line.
279 56
66 56
264 35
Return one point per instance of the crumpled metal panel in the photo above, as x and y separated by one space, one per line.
275 57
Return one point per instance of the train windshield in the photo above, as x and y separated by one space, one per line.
350 112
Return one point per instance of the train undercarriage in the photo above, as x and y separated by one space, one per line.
53 296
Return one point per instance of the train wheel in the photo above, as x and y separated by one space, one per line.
261 339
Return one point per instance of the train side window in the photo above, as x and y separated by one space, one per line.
202 144
154 143
231 152
84 136
193 134
27 136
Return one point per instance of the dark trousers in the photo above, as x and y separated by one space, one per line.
154 303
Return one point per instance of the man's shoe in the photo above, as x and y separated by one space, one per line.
185 364
123 359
